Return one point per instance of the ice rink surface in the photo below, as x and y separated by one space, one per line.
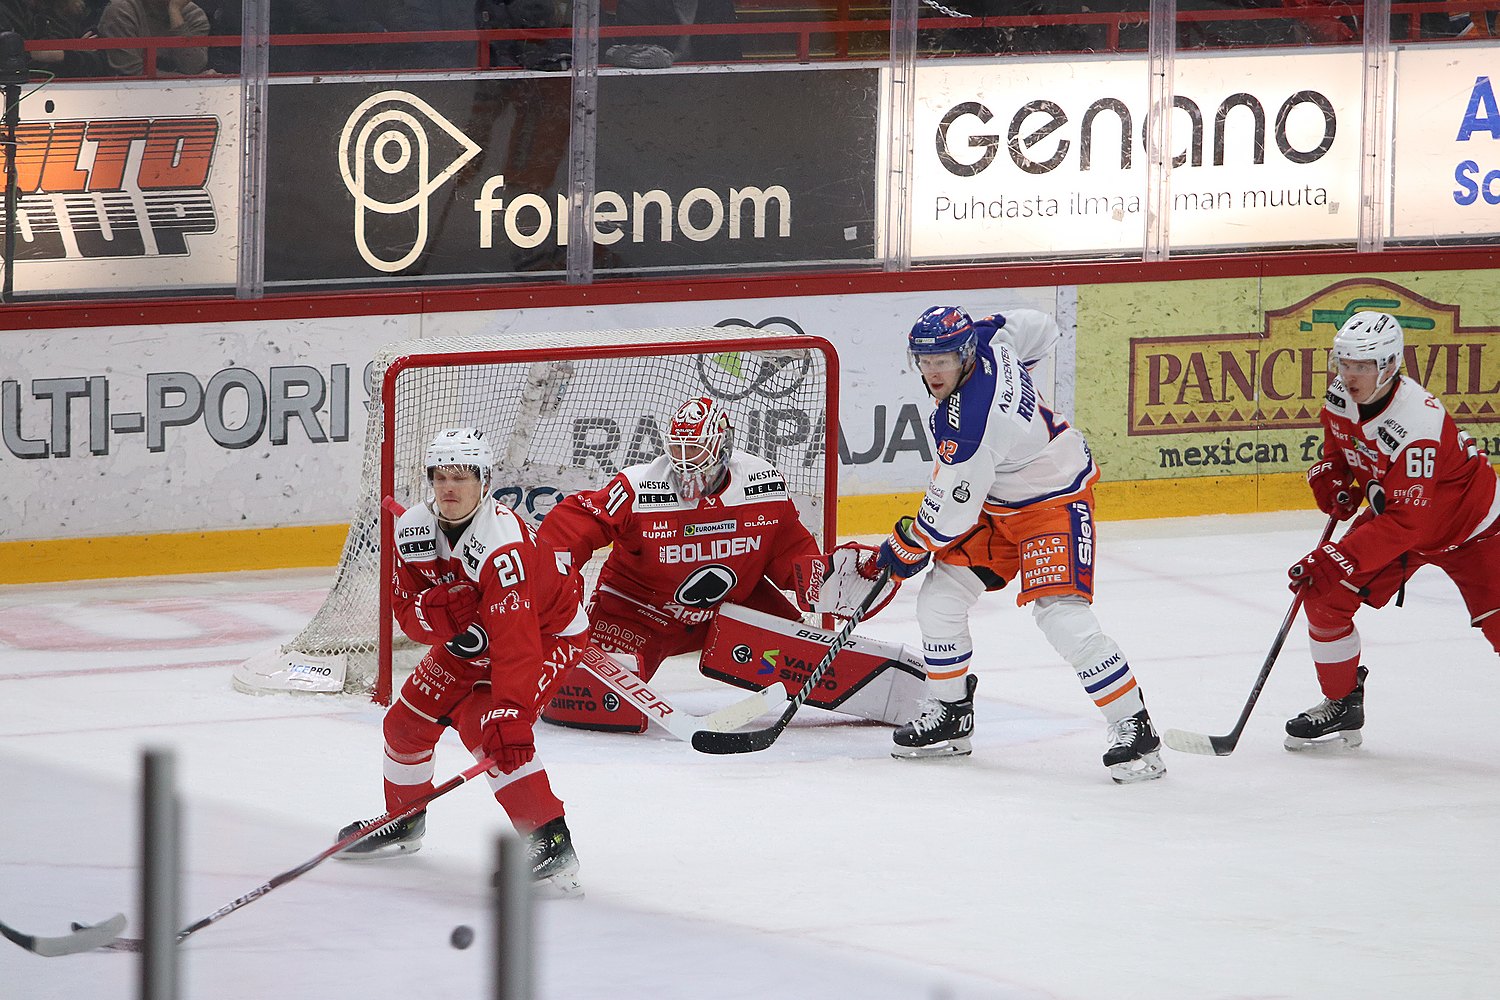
820 868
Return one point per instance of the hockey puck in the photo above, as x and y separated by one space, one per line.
462 936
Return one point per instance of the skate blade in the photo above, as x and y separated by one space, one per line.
558 887
951 748
1146 767
384 853
1346 739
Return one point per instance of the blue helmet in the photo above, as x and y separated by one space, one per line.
944 330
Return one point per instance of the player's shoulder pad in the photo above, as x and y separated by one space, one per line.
753 479
958 422
1414 415
1336 400
652 485
495 527
416 534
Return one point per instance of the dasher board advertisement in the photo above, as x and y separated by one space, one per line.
468 178
128 186
1446 159
1026 157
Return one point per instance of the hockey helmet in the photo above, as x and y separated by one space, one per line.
700 440
1372 336
461 446
944 330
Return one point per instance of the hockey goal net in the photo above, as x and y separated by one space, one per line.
563 413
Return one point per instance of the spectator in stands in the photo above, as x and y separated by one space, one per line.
155 19
552 54
329 17
663 50
36 20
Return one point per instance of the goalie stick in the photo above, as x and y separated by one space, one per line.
660 711
85 937
758 739
414 806
1222 746
632 688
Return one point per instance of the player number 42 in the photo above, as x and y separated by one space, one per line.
1420 462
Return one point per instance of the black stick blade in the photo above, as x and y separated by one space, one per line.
726 743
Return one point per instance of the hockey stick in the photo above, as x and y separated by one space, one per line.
1223 746
660 711
85 937
415 806
758 739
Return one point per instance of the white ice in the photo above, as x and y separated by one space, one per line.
820 868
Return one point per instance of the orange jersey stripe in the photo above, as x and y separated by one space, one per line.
1101 702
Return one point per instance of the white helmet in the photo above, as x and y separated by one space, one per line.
462 446
1372 336
700 440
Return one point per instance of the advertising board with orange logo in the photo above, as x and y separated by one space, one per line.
1226 378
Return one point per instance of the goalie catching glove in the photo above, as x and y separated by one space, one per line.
838 582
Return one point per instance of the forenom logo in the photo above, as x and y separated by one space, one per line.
390 151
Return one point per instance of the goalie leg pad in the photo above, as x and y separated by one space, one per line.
870 679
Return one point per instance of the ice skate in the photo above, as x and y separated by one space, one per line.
1330 724
401 836
942 730
1134 751
553 862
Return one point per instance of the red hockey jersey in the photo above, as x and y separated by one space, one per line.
1440 489
684 558
526 594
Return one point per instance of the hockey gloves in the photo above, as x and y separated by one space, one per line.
839 582
506 738
448 609
1332 489
1322 569
903 552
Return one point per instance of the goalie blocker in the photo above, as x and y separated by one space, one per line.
870 679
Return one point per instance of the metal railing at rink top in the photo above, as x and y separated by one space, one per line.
789 30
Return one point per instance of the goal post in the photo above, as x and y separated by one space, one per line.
563 412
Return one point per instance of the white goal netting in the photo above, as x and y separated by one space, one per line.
563 412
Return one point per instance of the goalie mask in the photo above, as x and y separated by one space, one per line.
1370 337
700 440
457 450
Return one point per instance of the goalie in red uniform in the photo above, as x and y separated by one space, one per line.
1433 501
700 526
504 621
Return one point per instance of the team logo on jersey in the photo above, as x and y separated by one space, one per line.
716 528
961 492
469 645
706 587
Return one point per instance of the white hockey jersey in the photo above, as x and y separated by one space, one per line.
1000 449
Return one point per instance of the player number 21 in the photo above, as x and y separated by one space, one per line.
509 569
1420 462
